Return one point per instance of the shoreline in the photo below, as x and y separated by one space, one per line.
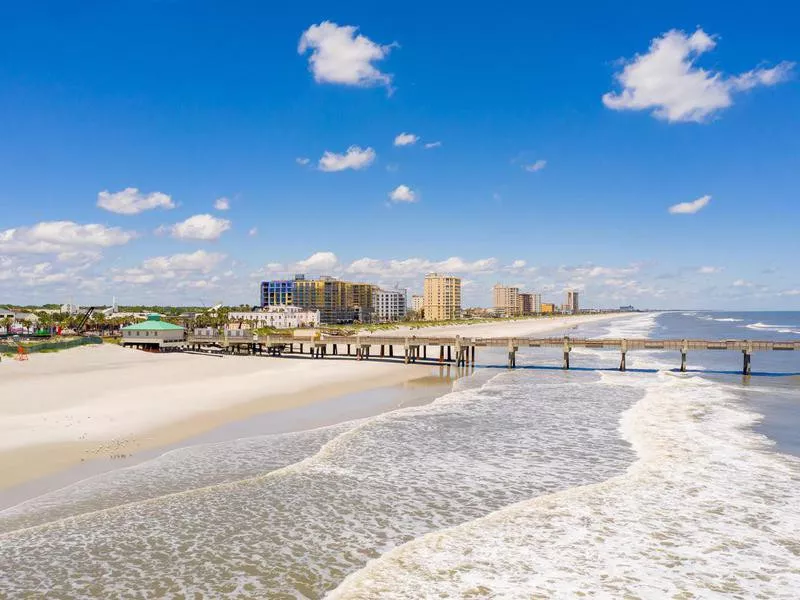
108 403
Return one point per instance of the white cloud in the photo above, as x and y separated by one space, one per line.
61 236
184 266
537 166
131 201
253 231
598 271
517 265
666 80
319 262
789 293
340 55
200 227
302 160
403 193
355 158
430 145
742 283
412 268
222 204
689 208
709 270
406 139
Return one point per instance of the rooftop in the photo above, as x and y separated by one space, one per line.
153 323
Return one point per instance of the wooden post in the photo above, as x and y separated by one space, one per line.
382 350
566 352
424 352
441 354
449 357
473 356
348 349
624 349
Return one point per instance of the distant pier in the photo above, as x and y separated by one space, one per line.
462 350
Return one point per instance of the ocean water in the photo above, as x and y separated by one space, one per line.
517 484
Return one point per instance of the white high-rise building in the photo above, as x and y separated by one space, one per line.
388 305
417 302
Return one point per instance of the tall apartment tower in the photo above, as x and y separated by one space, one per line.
531 303
572 301
441 297
507 300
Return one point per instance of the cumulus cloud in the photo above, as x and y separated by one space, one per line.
341 55
253 231
319 262
742 283
430 145
536 166
131 201
689 208
176 266
405 139
415 267
709 270
355 158
666 80
61 236
222 204
200 227
302 160
403 193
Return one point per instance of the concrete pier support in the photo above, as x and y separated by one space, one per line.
348 349
441 354
391 351
624 351
424 352
472 351
746 354
684 351
383 349
449 357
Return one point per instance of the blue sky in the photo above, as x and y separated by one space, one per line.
564 134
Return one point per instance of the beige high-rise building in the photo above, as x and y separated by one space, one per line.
507 300
572 301
441 298
417 303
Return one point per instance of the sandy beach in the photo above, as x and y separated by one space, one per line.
57 410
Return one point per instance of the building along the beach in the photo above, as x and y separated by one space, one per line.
548 308
531 303
153 334
277 317
442 297
507 300
337 301
572 305
388 305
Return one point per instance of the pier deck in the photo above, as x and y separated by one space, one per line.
461 350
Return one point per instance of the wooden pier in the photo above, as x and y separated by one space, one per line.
462 350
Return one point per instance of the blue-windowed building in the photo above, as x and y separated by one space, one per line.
278 292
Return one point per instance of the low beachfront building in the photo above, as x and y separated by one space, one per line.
154 334
277 317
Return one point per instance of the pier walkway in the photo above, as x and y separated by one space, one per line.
461 350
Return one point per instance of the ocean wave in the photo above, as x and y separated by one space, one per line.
769 326
707 510
729 320
300 529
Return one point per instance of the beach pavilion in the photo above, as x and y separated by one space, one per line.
154 334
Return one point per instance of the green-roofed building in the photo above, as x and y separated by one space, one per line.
154 334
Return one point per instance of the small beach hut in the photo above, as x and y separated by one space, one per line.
153 334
